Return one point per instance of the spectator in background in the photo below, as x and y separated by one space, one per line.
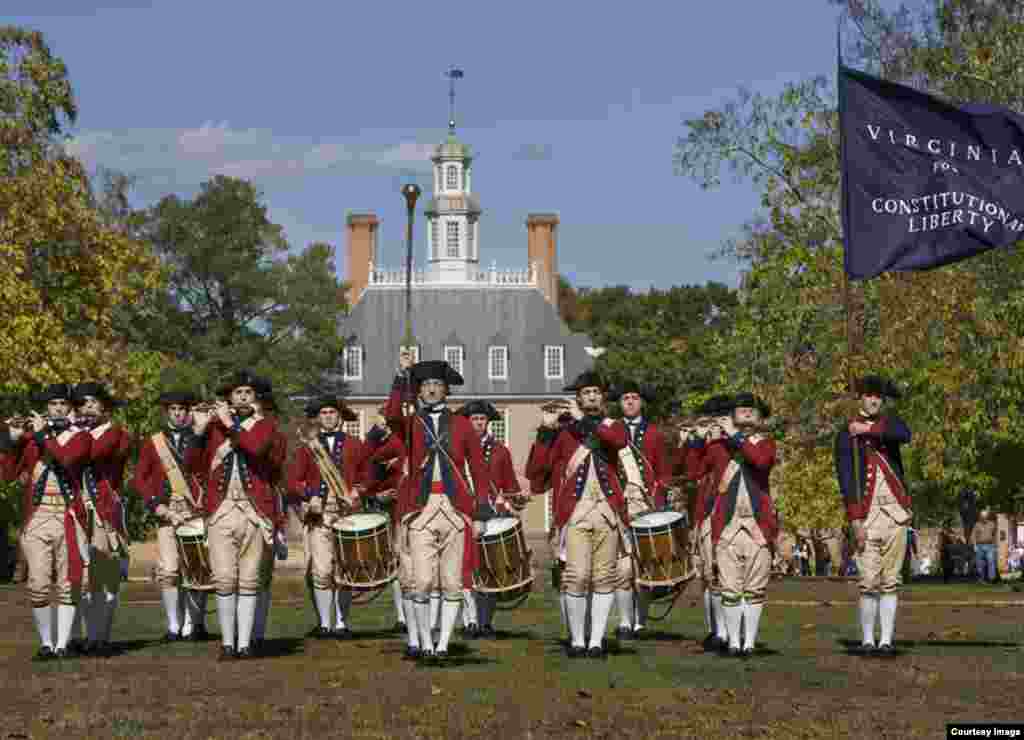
984 536
805 559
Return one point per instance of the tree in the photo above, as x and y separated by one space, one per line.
36 100
236 297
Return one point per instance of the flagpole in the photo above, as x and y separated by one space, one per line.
847 312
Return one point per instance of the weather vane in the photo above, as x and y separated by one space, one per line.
453 74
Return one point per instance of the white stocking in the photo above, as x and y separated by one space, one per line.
226 615
600 608
887 616
435 611
185 612
412 626
868 615
65 618
624 604
643 603
469 608
324 598
110 602
449 613
343 598
43 616
246 617
396 595
751 620
718 616
424 623
576 611
171 598
733 617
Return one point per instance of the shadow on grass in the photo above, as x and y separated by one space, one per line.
901 647
279 647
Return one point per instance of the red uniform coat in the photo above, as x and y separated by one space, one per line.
538 472
256 444
758 461
150 478
464 449
877 451
108 456
499 462
698 468
653 462
278 461
72 457
389 453
557 454
304 474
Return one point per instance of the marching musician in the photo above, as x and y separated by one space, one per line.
382 473
102 479
508 500
698 453
165 477
744 524
50 453
590 510
278 461
240 503
438 504
323 482
878 505
644 473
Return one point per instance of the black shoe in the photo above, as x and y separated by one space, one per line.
226 653
320 633
471 632
244 653
61 653
735 652
343 633
411 653
710 643
440 657
77 647
171 637
200 635
747 652
400 628
596 652
864 649
102 649
256 646
640 633
624 633
427 657
575 651
487 633
45 653
886 651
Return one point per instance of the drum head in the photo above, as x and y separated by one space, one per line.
361 522
500 525
192 528
656 520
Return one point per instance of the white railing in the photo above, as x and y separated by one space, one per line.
506 277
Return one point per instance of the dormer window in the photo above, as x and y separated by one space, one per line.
451 177
453 239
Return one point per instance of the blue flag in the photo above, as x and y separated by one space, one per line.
925 183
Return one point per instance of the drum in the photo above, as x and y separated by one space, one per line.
366 558
194 554
504 560
661 550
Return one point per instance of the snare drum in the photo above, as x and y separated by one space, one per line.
504 560
661 549
366 557
194 554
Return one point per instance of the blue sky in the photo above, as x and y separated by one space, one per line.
570 108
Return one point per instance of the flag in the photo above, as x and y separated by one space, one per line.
925 183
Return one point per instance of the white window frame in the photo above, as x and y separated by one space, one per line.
451 239
353 354
505 426
551 351
355 428
451 177
492 352
460 368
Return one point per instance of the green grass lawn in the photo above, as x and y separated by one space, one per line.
960 662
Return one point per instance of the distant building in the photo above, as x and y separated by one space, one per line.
499 328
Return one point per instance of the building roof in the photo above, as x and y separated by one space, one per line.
452 148
475 318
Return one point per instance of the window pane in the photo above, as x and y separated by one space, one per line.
499 427
435 240
453 238
453 356
452 178
499 363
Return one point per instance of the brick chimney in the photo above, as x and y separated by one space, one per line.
542 247
362 250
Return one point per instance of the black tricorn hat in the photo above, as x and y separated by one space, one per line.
646 391
331 402
586 379
184 398
876 385
260 385
96 390
53 392
748 400
716 406
435 370
480 407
